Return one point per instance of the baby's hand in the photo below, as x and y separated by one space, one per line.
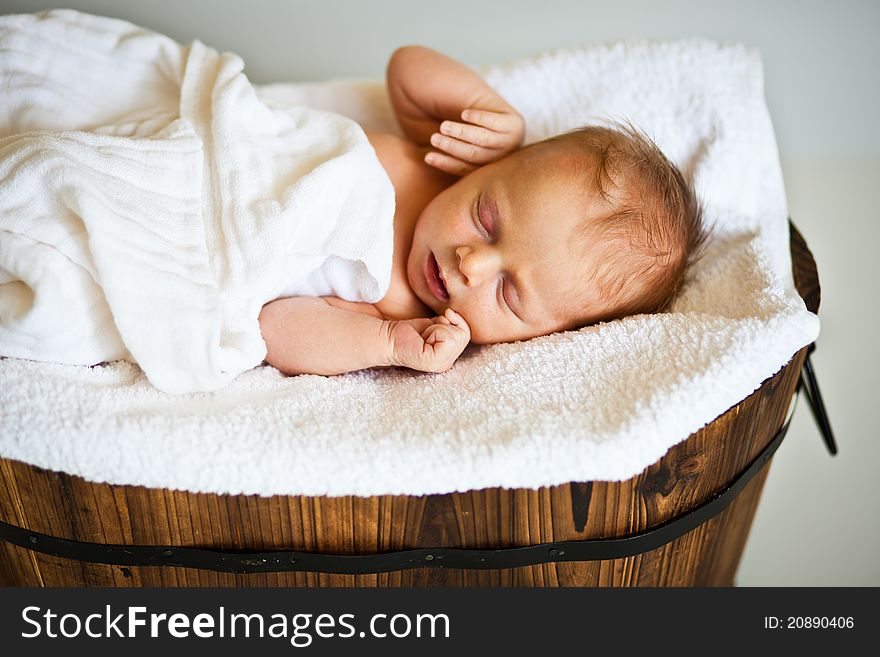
428 345
484 137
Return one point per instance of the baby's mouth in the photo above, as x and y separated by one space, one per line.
434 278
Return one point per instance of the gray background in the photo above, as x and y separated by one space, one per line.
817 520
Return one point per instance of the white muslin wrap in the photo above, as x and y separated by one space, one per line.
152 203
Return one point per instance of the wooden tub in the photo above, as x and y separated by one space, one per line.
479 538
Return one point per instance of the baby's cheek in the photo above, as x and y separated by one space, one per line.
486 327
472 323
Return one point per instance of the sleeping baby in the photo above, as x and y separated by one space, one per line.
154 209
494 242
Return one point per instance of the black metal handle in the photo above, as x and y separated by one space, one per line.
810 386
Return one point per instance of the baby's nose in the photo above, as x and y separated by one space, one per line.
477 264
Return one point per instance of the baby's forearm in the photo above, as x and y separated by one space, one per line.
305 335
426 87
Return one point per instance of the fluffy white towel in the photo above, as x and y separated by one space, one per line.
151 203
573 406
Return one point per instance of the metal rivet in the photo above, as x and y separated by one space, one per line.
166 553
554 551
429 557
253 562
292 560
33 539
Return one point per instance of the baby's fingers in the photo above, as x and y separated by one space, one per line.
448 326
474 134
420 323
463 150
459 322
446 338
432 334
448 164
497 121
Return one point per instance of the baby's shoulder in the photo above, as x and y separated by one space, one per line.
404 162
399 156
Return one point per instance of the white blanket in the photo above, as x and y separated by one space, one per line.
150 204
573 406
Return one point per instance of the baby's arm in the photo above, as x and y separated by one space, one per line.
307 335
442 103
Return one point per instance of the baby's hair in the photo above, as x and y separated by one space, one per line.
654 231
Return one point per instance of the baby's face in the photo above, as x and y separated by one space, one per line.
511 259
